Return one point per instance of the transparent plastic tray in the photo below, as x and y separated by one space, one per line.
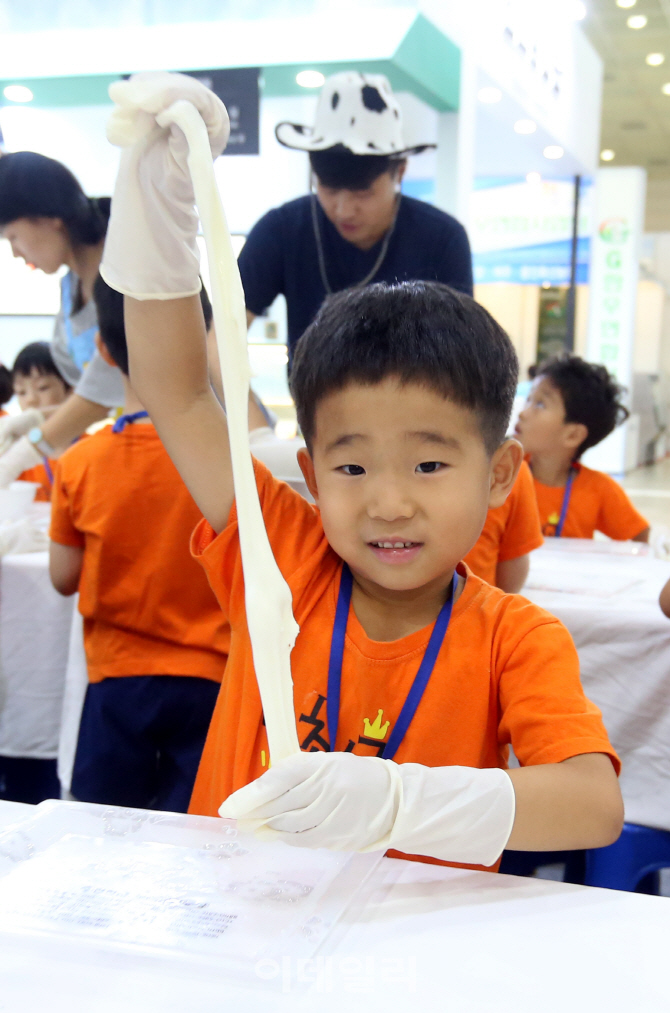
170 884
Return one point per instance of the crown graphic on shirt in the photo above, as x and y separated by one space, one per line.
376 730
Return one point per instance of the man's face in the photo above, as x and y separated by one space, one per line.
541 427
39 390
402 479
41 242
361 216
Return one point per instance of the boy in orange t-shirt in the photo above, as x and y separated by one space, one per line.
404 710
38 385
156 641
572 406
510 533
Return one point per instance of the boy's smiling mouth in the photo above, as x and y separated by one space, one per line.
395 550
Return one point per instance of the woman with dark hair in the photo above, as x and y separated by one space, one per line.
50 222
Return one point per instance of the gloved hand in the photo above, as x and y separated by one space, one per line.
150 250
13 426
20 456
354 803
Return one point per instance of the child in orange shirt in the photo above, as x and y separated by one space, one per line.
38 385
156 641
510 533
573 405
411 675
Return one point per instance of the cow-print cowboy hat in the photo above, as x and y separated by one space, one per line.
355 111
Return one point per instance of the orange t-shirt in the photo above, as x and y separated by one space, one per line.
39 474
147 606
597 503
507 672
510 530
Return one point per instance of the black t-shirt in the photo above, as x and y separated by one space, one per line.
280 257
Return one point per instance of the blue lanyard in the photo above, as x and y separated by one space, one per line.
418 687
123 420
566 503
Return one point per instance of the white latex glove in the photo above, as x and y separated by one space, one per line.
22 536
150 250
20 456
13 426
354 803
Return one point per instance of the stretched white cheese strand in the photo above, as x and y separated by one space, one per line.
272 627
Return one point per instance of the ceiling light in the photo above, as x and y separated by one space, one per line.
525 126
533 178
654 59
18 93
626 3
637 21
310 78
553 151
607 154
489 95
665 88
577 10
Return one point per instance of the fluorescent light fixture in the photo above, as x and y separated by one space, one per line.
665 88
607 155
654 59
489 95
18 93
637 21
626 3
533 178
310 78
525 127
553 151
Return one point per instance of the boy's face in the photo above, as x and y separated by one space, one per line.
403 481
39 390
542 428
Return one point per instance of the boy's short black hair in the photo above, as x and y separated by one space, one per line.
37 355
339 169
419 331
6 385
590 396
109 308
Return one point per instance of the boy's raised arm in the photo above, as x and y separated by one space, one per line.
169 373
151 256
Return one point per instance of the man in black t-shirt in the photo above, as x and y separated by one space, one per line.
356 228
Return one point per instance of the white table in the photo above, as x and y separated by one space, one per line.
462 942
34 638
609 603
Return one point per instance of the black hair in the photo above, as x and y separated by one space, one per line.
37 355
590 396
418 331
34 186
109 309
6 385
340 169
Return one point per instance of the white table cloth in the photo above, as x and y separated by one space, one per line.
609 603
422 937
34 636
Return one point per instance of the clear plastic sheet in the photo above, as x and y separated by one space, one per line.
170 884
